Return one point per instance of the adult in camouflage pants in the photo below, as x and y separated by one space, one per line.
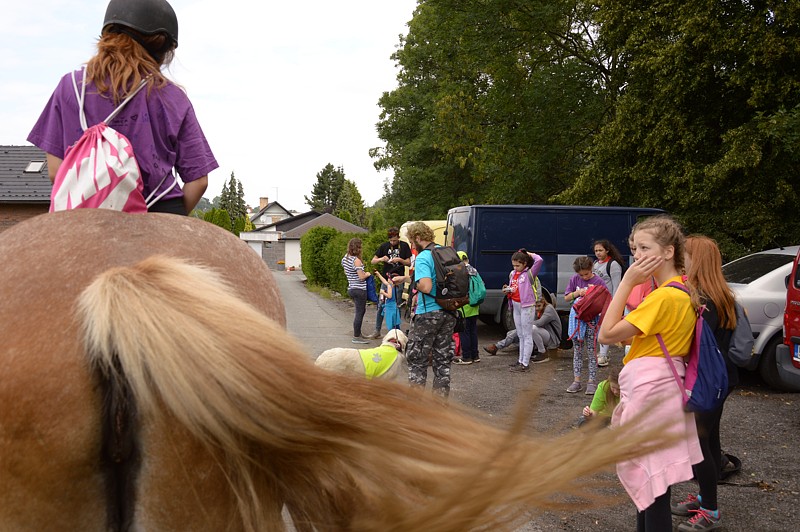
432 328
431 335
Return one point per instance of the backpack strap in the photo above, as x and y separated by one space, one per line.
671 365
421 294
534 283
150 200
679 286
81 96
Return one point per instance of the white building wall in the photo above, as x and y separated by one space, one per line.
292 254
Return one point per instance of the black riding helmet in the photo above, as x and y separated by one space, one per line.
148 17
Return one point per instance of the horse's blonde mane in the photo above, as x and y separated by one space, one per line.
344 452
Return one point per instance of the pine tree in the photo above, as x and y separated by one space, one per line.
350 205
326 191
232 199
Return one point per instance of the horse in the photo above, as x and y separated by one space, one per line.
147 382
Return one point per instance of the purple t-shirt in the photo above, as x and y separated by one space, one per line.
576 281
161 127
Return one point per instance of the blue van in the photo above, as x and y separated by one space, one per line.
490 234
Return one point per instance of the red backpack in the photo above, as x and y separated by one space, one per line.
594 303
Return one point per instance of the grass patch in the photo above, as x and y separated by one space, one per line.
323 291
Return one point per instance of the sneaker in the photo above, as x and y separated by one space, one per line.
575 387
702 520
514 365
476 359
359 340
685 508
461 361
519 368
491 349
373 335
538 358
602 361
590 388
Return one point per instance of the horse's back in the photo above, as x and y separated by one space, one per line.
50 399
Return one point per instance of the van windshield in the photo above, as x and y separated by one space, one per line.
457 232
750 268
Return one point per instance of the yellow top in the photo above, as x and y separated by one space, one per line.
378 360
667 311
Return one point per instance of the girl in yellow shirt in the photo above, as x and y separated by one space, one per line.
646 381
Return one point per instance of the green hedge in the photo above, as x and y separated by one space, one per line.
321 252
312 257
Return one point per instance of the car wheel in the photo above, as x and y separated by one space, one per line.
768 367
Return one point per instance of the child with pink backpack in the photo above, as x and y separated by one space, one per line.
115 131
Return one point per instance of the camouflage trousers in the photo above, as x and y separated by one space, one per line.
431 338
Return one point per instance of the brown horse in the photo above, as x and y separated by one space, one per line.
147 383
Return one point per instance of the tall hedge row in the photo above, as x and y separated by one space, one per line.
312 257
321 252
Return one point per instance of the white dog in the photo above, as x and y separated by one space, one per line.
384 362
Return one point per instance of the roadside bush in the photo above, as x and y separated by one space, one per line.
313 255
219 217
322 249
334 251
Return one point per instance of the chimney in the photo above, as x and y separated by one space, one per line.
263 202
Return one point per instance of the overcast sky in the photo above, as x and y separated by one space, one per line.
280 88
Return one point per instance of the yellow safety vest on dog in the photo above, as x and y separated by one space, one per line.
378 360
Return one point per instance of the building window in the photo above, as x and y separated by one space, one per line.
34 167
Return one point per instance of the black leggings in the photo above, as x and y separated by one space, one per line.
359 297
707 471
171 206
657 517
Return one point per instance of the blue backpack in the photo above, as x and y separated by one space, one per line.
706 382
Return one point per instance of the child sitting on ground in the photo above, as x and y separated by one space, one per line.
604 401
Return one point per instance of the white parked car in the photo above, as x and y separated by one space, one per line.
759 281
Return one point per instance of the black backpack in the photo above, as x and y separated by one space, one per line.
608 267
452 278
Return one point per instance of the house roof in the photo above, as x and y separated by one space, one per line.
290 223
267 207
19 186
324 220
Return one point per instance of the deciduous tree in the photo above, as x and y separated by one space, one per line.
496 102
708 122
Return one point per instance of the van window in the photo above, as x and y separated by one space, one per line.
506 231
750 268
457 232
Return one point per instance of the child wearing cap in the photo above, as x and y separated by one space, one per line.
469 337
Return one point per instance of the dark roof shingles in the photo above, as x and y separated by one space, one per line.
17 186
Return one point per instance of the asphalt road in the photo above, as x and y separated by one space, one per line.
759 425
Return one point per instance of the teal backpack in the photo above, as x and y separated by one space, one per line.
477 289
